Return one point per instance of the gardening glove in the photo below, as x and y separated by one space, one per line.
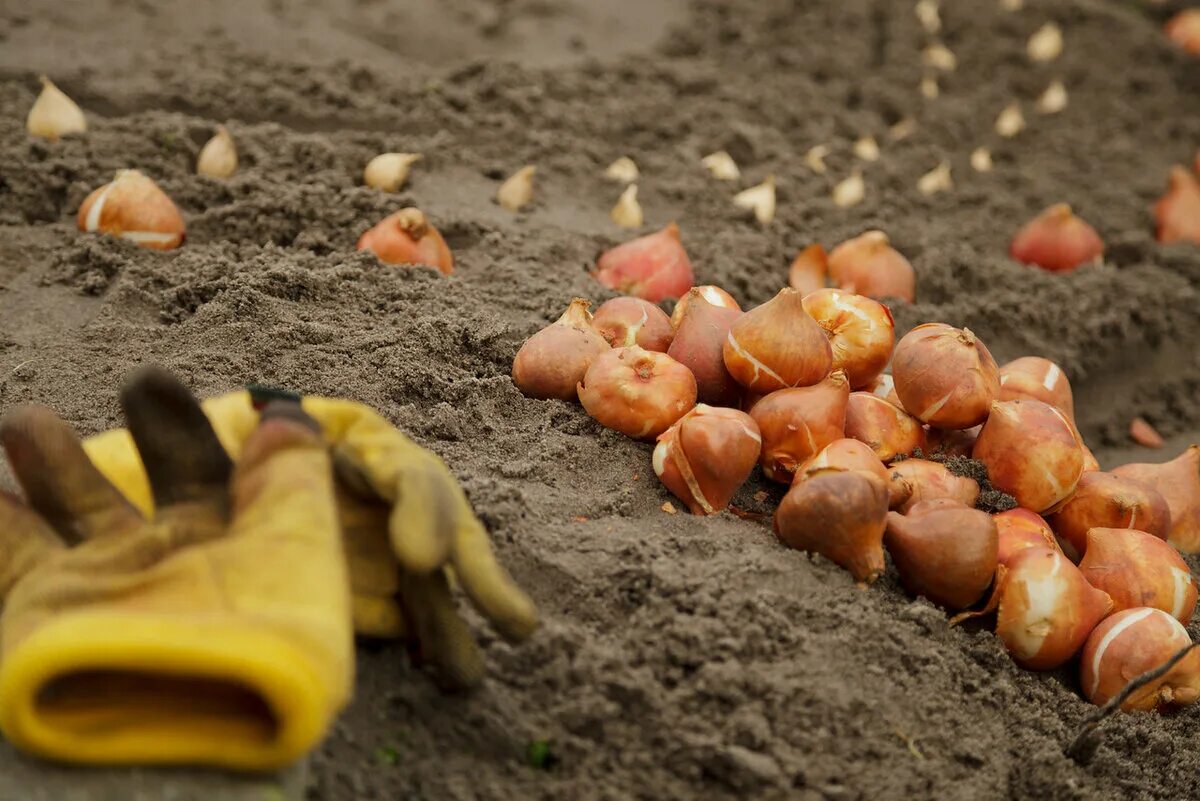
217 633
408 530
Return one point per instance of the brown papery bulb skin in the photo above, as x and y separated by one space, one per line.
840 514
632 321
1090 462
809 271
1019 529
706 456
1133 642
951 442
554 360
407 237
1057 240
636 391
713 295
1046 608
653 267
699 345
884 386
1030 451
944 551
869 265
1178 211
1136 569
1184 30
1107 500
930 481
845 454
777 346
884 427
1178 481
797 423
860 330
1035 378
945 376
133 207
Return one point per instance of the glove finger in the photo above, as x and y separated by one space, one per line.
25 539
60 481
422 521
488 584
444 639
184 460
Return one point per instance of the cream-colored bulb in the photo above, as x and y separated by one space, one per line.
936 180
722 166
928 13
867 149
1011 121
981 159
389 171
218 158
850 191
902 129
628 212
815 158
1046 43
939 57
517 191
623 171
929 87
1054 99
53 114
759 199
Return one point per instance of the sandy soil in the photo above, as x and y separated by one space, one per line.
680 657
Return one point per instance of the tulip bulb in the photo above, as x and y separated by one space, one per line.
1035 378
840 514
884 386
937 180
1137 569
945 376
797 423
1046 608
706 456
388 172
869 265
981 159
1053 99
1031 452
218 158
627 213
699 345
846 454
866 148
1184 30
860 330
758 199
1057 240
629 321
637 392
944 551
713 295
407 237
1019 529
1046 43
1106 500
883 426
809 270
721 166
1134 642
517 190
1011 121
54 115
653 267
623 171
1178 481
850 191
554 360
1178 211
133 207
777 345
931 481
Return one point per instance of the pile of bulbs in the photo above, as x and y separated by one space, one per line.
798 387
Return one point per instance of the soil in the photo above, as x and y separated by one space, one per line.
680 657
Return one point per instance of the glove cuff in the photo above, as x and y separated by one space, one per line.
106 688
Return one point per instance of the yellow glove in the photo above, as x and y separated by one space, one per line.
216 634
406 523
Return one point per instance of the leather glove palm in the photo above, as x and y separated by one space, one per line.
217 633
409 530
